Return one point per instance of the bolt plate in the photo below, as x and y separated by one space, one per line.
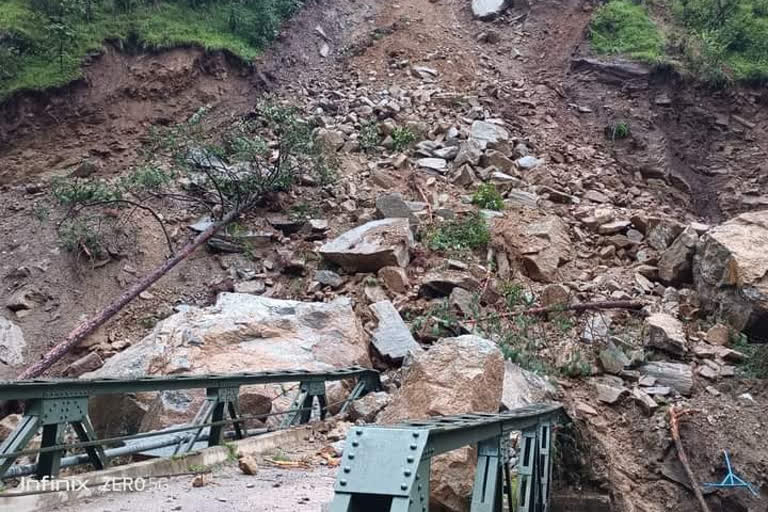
383 460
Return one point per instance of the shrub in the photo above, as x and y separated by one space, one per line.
486 196
402 138
460 234
369 136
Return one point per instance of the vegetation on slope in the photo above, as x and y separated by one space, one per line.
43 42
719 40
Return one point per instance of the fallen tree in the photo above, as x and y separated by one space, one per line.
229 174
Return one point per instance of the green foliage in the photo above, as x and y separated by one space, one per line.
624 27
468 233
726 39
73 192
486 196
402 138
617 130
756 364
576 366
43 42
369 136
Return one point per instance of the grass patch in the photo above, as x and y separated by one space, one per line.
624 28
486 196
460 234
756 364
43 42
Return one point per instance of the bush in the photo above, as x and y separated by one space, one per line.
402 138
461 234
369 136
623 27
486 196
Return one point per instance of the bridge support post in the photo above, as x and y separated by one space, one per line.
217 401
302 404
52 415
487 491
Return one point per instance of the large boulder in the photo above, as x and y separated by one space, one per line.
666 333
12 344
456 376
240 333
376 244
730 270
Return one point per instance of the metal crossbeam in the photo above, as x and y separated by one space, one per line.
31 389
386 468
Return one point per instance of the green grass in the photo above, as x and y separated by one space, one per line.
624 28
460 234
486 196
29 56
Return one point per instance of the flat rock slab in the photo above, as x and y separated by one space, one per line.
367 248
673 375
392 338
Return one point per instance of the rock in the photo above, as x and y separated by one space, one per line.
392 338
369 406
528 162
522 387
554 294
676 262
24 299
456 376
440 284
285 223
436 164
613 360
542 245
708 372
646 402
248 465
730 271
85 169
447 153
488 9
596 197
660 233
488 133
498 160
423 72
328 278
239 333
674 375
8 425
608 391
462 301
12 343
719 334
393 206
666 333
464 177
611 228
584 408
373 245
87 363
394 278
325 50
330 139
255 287
521 198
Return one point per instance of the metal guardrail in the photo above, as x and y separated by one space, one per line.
51 405
386 468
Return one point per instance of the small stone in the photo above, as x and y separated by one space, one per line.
646 402
436 164
614 227
585 408
553 294
610 394
708 372
254 287
712 391
248 465
528 162
328 278
85 364
395 279
718 334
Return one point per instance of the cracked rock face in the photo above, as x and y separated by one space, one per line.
730 270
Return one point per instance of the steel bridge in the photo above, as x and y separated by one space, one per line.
51 405
387 468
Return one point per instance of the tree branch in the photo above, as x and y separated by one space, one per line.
675 414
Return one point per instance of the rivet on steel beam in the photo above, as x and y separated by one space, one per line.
418 477
410 460
413 447
347 469
351 456
355 443
342 482
404 486
407 472
359 432
415 434
419 487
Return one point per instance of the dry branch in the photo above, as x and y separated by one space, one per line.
557 308
674 421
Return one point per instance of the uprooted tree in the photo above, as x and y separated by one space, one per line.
224 172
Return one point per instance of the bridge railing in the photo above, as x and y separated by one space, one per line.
387 468
52 405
